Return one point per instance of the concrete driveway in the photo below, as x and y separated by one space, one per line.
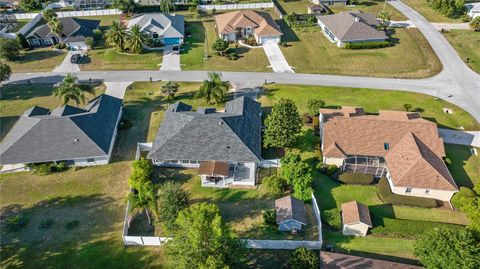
171 60
66 66
277 60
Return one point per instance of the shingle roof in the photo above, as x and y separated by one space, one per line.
233 135
169 26
289 208
263 23
332 260
355 212
352 26
66 134
73 29
214 168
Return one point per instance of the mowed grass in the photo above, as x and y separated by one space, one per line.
198 53
423 7
37 60
467 44
372 101
371 6
465 167
293 6
112 59
309 51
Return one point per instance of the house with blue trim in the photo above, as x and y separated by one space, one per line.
163 29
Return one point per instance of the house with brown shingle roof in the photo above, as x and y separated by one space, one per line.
351 27
355 219
243 24
401 146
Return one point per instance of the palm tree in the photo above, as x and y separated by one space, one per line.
169 89
69 90
144 199
213 88
475 24
56 27
384 17
166 6
137 39
116 35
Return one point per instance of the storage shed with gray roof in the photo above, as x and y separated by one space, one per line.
79 136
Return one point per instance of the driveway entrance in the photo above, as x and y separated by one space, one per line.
277 60
171 59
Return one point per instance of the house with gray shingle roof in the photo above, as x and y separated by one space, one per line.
81 137
290 214
163 28
225 146
351 27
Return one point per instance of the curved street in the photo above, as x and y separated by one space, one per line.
456 83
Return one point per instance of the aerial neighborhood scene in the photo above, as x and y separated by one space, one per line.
220 134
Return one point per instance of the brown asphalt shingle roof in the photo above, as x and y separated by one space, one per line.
288 208
262 23
214 168
352 26
355 212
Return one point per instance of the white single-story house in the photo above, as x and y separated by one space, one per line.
164 29
290 214
355 219
473 10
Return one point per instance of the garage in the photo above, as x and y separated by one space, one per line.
172 41
271 40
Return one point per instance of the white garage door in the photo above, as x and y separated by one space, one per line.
270 40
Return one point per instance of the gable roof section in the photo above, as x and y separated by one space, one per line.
290 208
263 23
169 26
67 134
73 29
354 212
233 135
353 26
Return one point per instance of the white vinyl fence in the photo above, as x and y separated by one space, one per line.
236 6
77 13
316 210
282 244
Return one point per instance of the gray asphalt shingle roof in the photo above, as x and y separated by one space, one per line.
290 208
233 135
73 29
63 134
169 26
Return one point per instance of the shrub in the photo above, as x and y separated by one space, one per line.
316 123
383 190
172 199
72 224
274 185
332 218
306 119
9 49
457 199
251 41
41 169
45 224
97 34
16 223
303 258
367 45
356 178
125 124
331 169
314 105
233 56
60 46
270 217
284 44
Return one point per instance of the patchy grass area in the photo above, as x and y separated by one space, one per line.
293 6
371 6
38 60
111 59
423 7
105 21
465 167
466 43
268 258
372 101
309 51
200 45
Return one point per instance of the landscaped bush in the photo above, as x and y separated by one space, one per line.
16 223
301 20
233 56
97 34
331 169
367 45
449 8
43 169
332 218
314 105
384 192
251 42
60 46
270 217
274 185
306 119
459 196
356 178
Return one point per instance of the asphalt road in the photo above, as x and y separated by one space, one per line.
456 83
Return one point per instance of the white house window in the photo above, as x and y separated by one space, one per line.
90 160
184 161
155 35
427 191
408 190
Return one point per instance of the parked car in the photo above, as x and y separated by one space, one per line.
75 58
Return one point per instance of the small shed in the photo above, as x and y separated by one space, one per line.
290 214
356 219
317 9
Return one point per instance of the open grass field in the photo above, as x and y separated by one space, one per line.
466 43
371 6
111 59
372 101
293 6
309 51
200 45
37 60
423 7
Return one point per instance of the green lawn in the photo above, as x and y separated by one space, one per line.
200 45
371 6
293 6
309 51
111 59
38 60
466 43
465 167
431 14
372 101
105 21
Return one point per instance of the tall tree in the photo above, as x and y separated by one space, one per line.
29 5
166 6
5 72
475 24
141 172
384 17
68 90
144 200
126 6
298 175
203 240
136 39
56 27
9 49
169 89
49 14
303 258
172 199
116 35
449 249
220 46
282 125
213 88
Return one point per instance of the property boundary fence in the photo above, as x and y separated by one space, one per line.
277 10
282 244
236 6
77 13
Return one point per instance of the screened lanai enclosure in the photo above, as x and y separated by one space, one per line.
90 4
365 164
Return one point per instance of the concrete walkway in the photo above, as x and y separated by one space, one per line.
467 138
459 26
66 66
171 59
117 89
277 61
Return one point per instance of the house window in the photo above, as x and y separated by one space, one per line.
386 146
427 191
155 35
408 190
185 161
173 161
90 160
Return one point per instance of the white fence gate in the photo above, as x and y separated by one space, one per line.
236 6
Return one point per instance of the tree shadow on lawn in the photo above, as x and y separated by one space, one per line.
459 155
24 92
288 34
177 175
34 55
384 210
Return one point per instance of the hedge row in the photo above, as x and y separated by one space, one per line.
387 196
356 178
367 45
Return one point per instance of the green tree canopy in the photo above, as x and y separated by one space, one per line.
303 258
141 172
126 6
298 175
49 14
9 49
314 105
213 89
469 202
220 46
29 5
116 36
282 125
475 24
68 90
172 199
384 17
136 39
169 89
166 6
448 249
144 199
5 72
203 240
